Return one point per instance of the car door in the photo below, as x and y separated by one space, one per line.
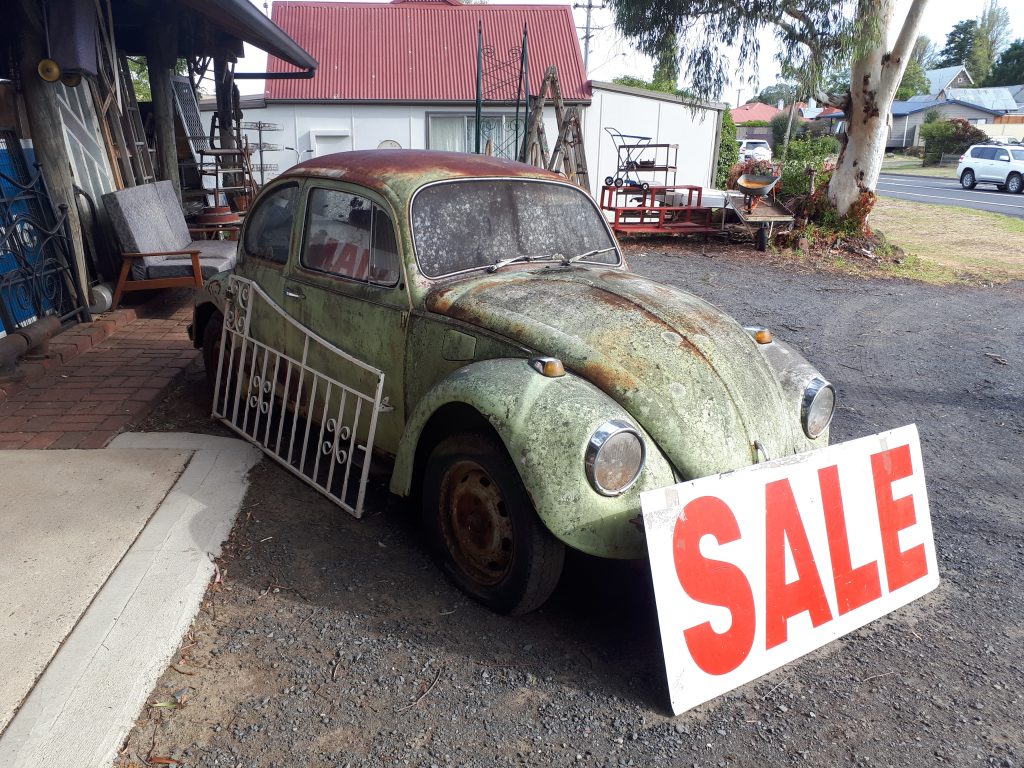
983 166
264 359
348 286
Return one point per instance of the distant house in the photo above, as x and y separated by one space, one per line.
978 106
939 80
753 112
403 75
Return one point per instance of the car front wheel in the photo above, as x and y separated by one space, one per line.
1015 183
481 524
967 180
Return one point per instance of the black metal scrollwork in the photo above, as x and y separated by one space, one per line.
36 273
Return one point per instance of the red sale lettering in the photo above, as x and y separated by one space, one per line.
894 515
715 583
782 600
854 586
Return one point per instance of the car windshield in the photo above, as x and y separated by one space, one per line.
473 224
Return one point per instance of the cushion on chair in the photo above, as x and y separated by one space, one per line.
142 217
216 256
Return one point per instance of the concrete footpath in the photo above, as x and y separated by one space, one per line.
104 560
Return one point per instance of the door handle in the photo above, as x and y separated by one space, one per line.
294 293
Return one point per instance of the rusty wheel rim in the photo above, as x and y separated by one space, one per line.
475 523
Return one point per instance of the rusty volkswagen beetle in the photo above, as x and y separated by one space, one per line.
531 385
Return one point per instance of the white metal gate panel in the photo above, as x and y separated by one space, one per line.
310 422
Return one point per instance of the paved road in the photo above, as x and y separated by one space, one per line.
923 189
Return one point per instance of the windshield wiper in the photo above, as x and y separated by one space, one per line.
521 257
567 260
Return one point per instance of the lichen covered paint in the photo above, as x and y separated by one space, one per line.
704 395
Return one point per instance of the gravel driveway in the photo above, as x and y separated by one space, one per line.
337 642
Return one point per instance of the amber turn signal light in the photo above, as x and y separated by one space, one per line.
548 366
763 336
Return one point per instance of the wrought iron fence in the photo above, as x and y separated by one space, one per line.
291 401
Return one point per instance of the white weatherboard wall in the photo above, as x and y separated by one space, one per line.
328 128
662 117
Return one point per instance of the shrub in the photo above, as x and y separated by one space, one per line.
728 150
779 123
817 153
949 137
755 124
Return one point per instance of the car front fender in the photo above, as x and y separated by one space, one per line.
545 424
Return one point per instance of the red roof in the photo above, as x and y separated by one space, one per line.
743 114
421 51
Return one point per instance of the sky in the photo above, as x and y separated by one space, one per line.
611 55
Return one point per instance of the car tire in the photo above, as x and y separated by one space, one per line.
968 180
212 333
1015 183
481 525
609 181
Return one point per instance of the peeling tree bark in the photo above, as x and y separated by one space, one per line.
875 76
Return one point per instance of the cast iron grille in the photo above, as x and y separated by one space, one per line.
36 276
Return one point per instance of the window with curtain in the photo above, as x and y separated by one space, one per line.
457 133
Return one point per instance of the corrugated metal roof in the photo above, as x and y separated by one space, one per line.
423 52
755 110
940 78
993 99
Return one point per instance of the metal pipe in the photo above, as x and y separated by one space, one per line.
479 79
304 74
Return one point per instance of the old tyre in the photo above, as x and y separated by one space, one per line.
761 239
1015 183
967 180
211 347
482 526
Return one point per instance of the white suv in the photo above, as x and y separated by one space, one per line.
999 164
756 149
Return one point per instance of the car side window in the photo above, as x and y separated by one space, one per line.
268 230
987 153
1002 154
349 236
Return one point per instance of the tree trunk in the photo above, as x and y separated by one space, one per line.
874 78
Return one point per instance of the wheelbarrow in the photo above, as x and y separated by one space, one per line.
754 187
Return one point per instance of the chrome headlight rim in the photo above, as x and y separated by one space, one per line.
598 440
811 393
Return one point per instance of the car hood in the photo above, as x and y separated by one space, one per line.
689 374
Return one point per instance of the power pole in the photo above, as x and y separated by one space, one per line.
588 34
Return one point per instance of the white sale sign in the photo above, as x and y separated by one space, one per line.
757 567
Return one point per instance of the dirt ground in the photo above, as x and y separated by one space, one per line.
336 642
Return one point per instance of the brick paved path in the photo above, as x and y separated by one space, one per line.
85 401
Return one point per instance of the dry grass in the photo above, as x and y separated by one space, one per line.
947 244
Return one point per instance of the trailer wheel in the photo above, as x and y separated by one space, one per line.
761 238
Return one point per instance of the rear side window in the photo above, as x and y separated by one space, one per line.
268 229
985 153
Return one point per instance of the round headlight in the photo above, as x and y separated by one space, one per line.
615 455
818 406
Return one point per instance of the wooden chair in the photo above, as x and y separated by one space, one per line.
157 246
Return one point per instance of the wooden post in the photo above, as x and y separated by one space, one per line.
48 132
161 56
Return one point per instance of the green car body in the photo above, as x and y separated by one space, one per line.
703 395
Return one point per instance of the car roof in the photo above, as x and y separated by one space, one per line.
402 171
